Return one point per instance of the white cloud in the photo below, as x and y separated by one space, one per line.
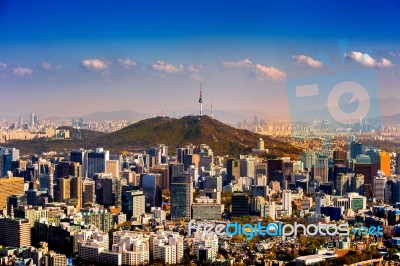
46 66
22 71
126 62
165 67
269 72
386 63
308 61
58 67
367 61
3 65
194 71
95 64
237 64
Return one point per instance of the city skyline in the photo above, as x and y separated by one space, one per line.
60 60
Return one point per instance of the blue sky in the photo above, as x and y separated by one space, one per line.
78 57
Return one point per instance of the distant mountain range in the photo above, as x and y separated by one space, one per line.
222 138
390 111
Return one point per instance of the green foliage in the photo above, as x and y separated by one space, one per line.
285 257
223 139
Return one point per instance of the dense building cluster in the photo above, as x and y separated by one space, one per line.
134 208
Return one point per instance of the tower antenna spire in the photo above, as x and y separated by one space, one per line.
201 100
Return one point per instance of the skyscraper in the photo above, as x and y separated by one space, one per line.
109 191
339 157
63 188
32 120
379 188
232 170
15 232
181 197
192 159
385 162
355 149
88 192
275 170
308 158
321 168
66 168
214 182
247 166
163 170
80 156
10 186
206 158
152 190
357 183
5 163
240 204
46 183
133 203
113 167
161 154
287 202
368 170
76 190
342 184
96 161
182 151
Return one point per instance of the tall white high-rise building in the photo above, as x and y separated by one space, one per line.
308 158
207 244
167 247
134 246
32 120
268 209
287 202
161 153
206 158
138 204
128 248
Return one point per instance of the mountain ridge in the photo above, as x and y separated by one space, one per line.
222 138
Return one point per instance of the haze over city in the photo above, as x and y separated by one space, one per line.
199 133
68 59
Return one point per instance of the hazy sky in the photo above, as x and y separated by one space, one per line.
78 57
